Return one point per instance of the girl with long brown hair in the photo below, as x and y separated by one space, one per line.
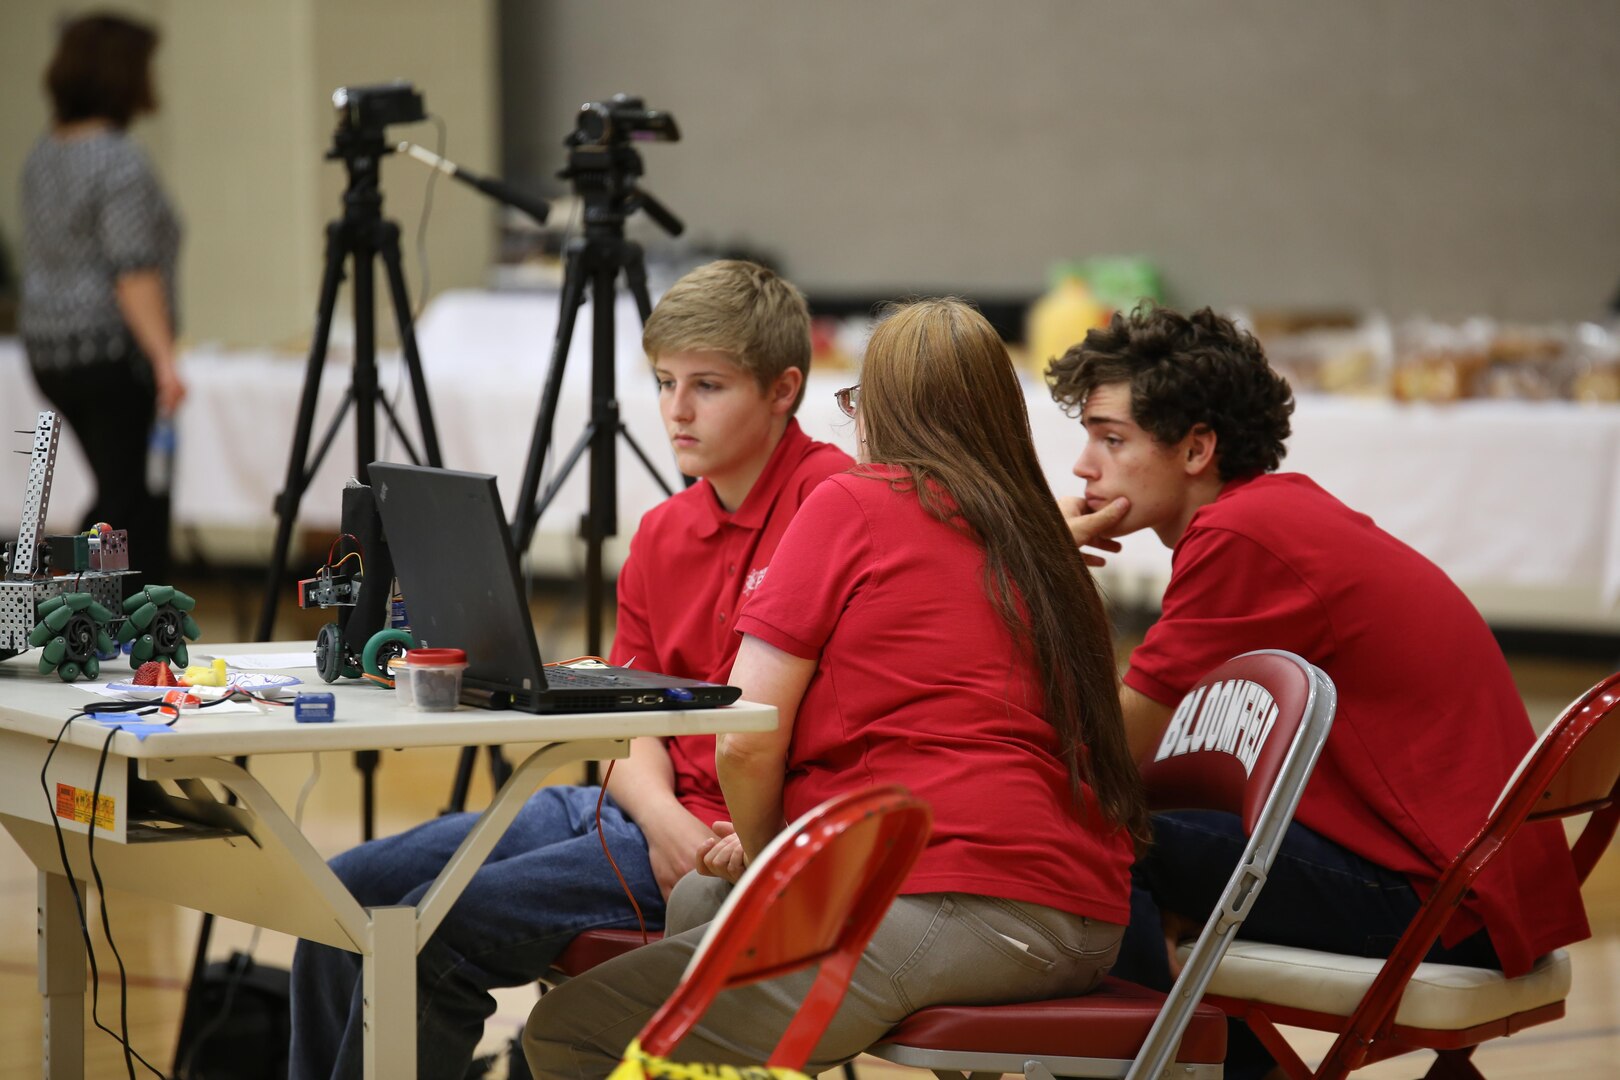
925 621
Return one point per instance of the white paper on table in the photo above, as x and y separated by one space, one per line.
231 707
270 661
102 690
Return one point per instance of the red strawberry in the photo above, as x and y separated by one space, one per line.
154 673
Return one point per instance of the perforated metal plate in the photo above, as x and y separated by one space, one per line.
36 497
19 601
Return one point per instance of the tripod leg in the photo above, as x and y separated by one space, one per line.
525 517
463 781
399 430
576 452
601 516
365 363
635 278
366 762
331 433
389 247
292 492
641 455
500 770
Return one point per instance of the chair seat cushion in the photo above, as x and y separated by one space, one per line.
597 947
1440 997
1110 1022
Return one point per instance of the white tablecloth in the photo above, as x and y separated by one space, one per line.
1519 502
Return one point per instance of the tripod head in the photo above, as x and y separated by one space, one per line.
604 167
358 140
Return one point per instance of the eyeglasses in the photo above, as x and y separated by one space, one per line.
849 399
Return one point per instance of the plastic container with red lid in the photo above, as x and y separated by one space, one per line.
399 669
436 678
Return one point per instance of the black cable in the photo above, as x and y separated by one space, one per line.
106 919
143 707
424 276
138 708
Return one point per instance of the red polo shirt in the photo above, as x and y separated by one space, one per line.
919 683
691 565
1429 724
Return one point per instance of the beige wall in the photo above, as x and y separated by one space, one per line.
245 121
1454 156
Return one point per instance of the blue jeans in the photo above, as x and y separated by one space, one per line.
1318 896
545 882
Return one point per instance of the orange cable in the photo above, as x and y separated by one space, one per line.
602 838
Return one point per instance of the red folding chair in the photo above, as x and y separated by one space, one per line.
814 897
1245 740
1382 1008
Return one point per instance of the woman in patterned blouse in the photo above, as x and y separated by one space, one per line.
98 312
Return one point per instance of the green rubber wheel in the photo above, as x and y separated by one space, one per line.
158 620
71 628
383 647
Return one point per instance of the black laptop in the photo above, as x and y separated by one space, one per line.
453 553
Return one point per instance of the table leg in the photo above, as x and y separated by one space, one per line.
389 982
61 978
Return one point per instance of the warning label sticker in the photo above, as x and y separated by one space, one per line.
74 804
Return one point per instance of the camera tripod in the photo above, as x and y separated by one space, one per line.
361 235
604 177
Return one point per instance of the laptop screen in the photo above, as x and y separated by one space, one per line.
456 566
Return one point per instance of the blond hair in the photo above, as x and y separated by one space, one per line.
741 309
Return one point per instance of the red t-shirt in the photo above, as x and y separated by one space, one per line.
919 683
1429 724
691 565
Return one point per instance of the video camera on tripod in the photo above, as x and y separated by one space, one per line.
604 167
619 119
364 111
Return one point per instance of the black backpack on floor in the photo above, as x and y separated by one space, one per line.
237 1024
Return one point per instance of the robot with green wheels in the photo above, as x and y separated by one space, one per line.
360 585
65 594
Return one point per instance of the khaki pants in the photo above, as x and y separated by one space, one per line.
931 949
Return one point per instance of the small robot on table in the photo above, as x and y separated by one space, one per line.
65 594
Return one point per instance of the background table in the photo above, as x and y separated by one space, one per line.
249 862
1518 501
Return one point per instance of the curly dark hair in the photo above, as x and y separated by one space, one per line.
1185 370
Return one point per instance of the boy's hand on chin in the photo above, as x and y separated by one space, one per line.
1090 528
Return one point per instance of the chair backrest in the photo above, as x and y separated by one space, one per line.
814 896
1558 782
1245 740
1573 768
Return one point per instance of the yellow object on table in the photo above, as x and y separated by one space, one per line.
207 675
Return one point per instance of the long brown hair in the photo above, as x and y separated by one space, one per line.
940 400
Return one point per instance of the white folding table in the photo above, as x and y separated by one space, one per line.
248 861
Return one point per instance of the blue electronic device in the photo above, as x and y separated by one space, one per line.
314 707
